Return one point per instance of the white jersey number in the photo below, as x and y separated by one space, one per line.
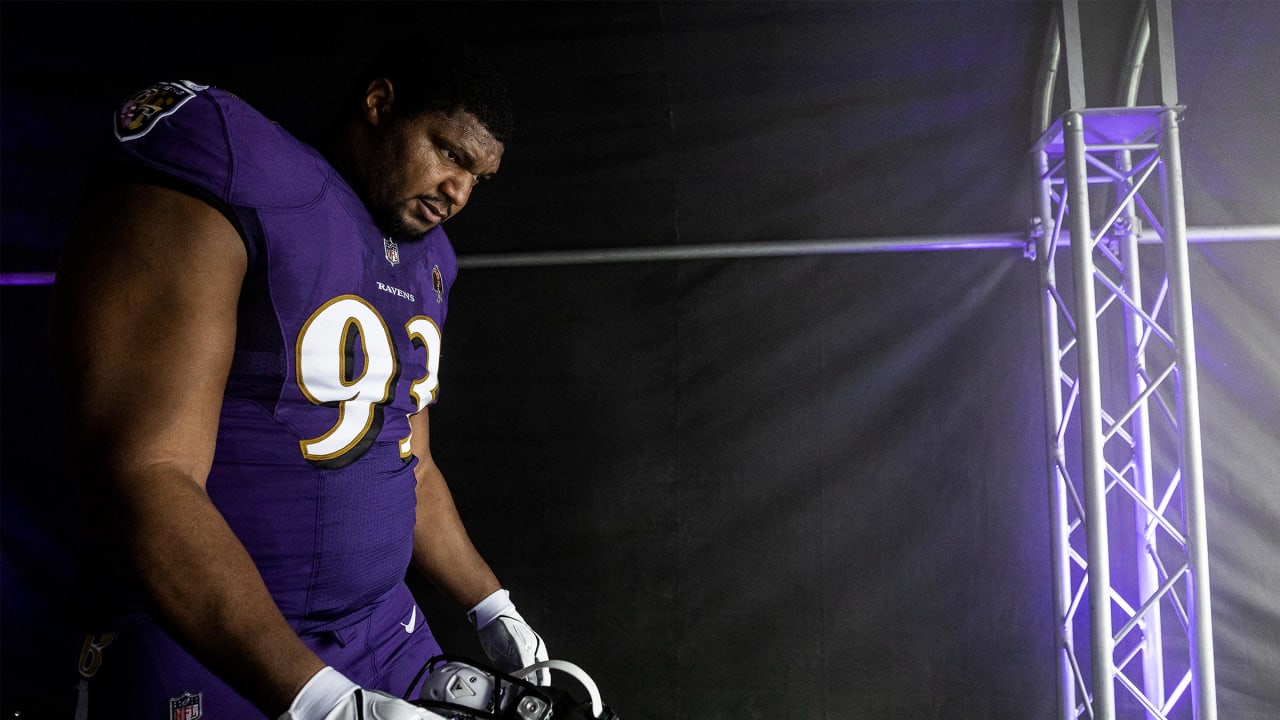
346 358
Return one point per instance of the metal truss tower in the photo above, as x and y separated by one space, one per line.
1128 514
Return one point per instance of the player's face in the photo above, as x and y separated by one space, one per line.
424 169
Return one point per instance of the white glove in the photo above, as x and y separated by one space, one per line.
506 638
329 695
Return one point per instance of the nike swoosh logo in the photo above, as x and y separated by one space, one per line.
413 621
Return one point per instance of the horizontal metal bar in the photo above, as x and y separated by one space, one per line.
919 243
747 250
1117 147
826 247
822 247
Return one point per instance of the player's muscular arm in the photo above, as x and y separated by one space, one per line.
442 550
144 329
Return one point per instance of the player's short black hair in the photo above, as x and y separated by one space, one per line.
444 76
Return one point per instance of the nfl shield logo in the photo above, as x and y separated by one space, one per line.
185 707
393 250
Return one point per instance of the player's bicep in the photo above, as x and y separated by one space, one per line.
144 326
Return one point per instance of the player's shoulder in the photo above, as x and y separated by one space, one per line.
220 142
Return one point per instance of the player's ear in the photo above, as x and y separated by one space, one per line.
378 99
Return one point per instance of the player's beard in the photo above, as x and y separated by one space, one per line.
395 215
398 221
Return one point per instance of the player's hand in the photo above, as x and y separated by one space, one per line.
507 639
373 705
329 695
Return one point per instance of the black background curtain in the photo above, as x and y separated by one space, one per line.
798 486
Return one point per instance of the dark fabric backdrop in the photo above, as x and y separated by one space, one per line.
785 487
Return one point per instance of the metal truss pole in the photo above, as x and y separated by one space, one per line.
1149 627
1059 483
1139 436
1088 378
1204 688
1120 375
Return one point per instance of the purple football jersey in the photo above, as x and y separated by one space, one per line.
338 342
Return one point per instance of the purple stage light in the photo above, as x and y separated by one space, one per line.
26 278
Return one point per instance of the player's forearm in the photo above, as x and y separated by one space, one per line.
442 549
205 588
463 576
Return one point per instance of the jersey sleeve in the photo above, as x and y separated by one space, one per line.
213 141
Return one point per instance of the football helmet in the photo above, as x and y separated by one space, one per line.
462 689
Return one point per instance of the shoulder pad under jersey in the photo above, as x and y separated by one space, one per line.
218 142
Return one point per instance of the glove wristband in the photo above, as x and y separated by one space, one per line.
321 694
488 609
